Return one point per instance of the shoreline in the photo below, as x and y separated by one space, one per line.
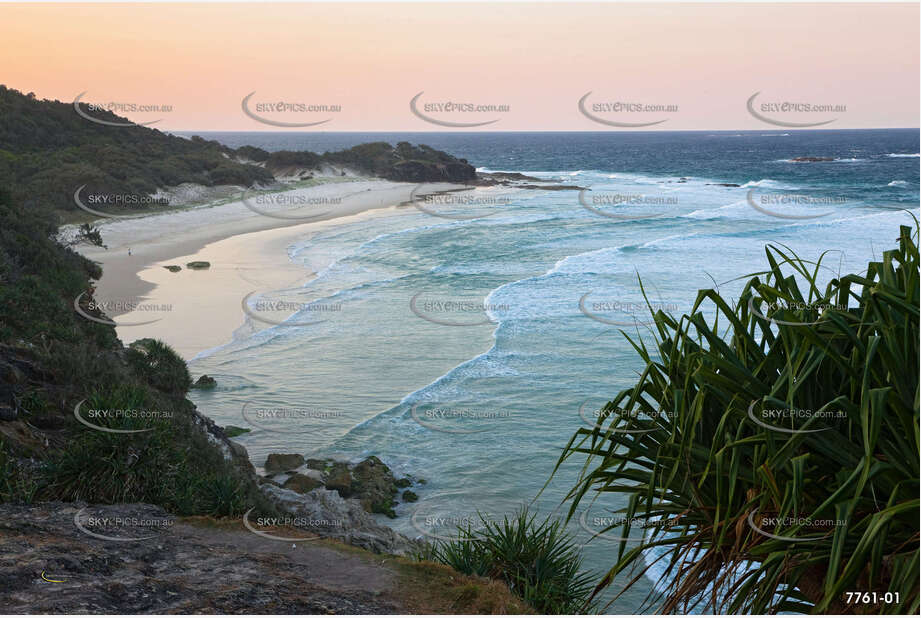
246 250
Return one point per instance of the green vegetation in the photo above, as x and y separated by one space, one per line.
48 151
537 560
844 486
405 162
232 431
51 359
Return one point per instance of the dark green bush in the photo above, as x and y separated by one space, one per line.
159 365
537 560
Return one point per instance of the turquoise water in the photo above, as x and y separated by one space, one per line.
480 402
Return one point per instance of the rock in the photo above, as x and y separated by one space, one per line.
185 568
232 431
409 496
316 464
340 518
205 382
722 184
371 483
277 462
375 486
508 176
198 265
301 483
339 479
810 159
238 449
173 268
552 187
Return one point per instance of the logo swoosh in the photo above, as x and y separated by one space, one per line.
275 123
415 202
244 304
613 430
781 123
608 214
751 415
108 123
266 535
612 123
414 309
100 428
777 537
80 310
588 313
245 200
443 123
765 211
98 213
413 520
414 413
603 535
751 307
264 428
102 536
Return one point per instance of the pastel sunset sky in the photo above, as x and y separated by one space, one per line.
701 61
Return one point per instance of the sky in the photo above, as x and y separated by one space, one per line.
683 66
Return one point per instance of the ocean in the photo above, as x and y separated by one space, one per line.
464 343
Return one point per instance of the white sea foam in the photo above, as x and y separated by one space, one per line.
768 183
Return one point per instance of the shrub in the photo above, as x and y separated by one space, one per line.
538 561
159 364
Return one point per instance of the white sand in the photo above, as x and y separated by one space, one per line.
195 310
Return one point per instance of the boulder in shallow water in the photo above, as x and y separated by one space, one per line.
173 268
282 462
205 382
811 159
200 265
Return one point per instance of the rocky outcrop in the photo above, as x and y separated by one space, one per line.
370 482
50 566
330 515
521 181
427 171
811 159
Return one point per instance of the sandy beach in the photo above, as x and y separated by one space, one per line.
244 241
